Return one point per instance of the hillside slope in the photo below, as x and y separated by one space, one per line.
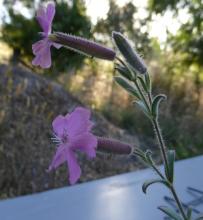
28 104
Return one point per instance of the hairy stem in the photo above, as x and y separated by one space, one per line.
162 149
142 95
178 202
163 152
158 172
160 141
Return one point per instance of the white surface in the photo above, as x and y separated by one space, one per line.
115 198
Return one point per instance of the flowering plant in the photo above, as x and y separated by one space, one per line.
73 131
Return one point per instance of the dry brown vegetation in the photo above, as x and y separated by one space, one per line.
28 104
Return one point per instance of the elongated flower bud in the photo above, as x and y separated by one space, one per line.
113 146
129 53
83 46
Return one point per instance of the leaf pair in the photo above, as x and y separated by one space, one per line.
169 171
128 86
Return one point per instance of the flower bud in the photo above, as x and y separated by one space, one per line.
83 46
129 53
113 146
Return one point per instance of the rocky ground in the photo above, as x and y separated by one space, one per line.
28 104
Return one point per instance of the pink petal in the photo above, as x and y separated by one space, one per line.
86 143
45 17
59 125
73 167
50 12
44 25
36 61
41 12
78 122
59 158
46 57
57 46
41 17
41 50
37 46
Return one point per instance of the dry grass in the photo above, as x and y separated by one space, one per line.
28 104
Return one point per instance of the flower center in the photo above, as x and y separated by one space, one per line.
60 139
64 138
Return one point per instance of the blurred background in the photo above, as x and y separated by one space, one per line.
167 34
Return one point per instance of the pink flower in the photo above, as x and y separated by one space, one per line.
41 49
72 132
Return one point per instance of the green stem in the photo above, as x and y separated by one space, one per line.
151 163
142 95
149 97
162 149
160 141
178 202
158 172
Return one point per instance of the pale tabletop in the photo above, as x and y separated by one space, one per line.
115 198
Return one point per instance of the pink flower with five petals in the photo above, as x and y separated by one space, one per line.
41 49
72 132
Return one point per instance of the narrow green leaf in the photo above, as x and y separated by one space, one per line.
170 170
140 154
124 72
148 82
189 213
143 108
147 183
170 212
155 104
143 83
129 53
148 156
128 86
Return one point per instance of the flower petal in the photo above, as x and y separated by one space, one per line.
57 46
86 143
46 57
44 25
36 47
50 13
41 50
41 18
73 167
59 124
59 158
78 122
45 17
